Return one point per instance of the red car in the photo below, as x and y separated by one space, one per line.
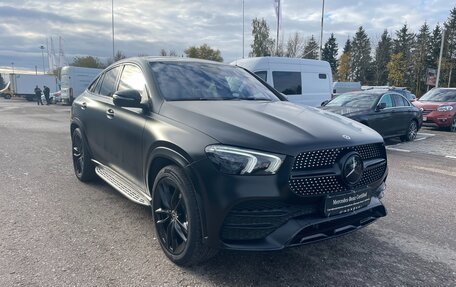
439 108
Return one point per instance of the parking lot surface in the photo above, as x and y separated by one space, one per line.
57 231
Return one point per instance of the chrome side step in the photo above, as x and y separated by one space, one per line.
121 184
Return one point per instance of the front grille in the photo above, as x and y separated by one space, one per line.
427 111
327 157
252 220
304 183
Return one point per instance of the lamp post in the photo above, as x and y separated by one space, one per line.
112 17
243 33
42 55
321 31
12 66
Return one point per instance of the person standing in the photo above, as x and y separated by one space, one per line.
46 93
38 95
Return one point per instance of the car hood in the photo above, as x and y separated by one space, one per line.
345 111
280 127
432 105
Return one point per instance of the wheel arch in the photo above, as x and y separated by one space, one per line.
164 154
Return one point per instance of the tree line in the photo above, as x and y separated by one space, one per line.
400 58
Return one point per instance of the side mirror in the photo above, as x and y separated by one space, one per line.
324 103
380 106
127 98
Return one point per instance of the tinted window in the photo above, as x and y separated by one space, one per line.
108 86
387 100
355 100
181 81
133 78
400 101
263 75
322 76
288 83
94 85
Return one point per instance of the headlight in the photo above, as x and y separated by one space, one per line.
233 160
445 108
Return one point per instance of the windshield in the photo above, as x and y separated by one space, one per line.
189 81
440 95
355 100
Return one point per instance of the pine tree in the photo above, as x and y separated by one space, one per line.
450 55
347 47
435 40
382 57
360 56
421 58
311 49
404 44
329 53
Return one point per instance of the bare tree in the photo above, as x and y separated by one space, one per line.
295 45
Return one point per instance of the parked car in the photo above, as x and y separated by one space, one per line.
303 81
386 111
223 159
401 90
439 108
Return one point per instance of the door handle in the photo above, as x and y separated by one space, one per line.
110 113
84 106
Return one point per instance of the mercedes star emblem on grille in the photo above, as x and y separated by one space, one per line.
353 169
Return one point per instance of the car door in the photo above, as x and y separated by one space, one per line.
126 127
94 107
382 120
402 114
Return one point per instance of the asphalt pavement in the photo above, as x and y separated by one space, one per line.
57 231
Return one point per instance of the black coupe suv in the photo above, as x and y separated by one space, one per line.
223 160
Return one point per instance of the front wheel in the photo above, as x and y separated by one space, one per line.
177 219
411 133
453 125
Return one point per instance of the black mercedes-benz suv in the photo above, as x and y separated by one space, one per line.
224 160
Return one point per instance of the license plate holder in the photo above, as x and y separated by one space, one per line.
347 202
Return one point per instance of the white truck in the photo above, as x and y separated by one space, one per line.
23 85
303 81
73 81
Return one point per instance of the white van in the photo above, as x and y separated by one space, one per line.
303 81
345 87
74 81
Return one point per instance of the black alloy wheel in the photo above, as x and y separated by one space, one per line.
453 125
171 217
83 166
412 131
177 218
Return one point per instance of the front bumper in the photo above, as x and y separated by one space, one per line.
275 217
438 119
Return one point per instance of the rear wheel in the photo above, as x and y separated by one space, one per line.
412 131
82 163
176 218
453 125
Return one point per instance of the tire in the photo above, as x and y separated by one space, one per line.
7 96
411 132
452 127
84 168
177 219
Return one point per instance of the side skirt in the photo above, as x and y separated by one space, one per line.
121 184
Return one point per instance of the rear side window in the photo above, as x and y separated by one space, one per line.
288 83
108 86
133 78
400 101
263 75
92 87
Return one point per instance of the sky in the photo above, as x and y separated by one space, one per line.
144 27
